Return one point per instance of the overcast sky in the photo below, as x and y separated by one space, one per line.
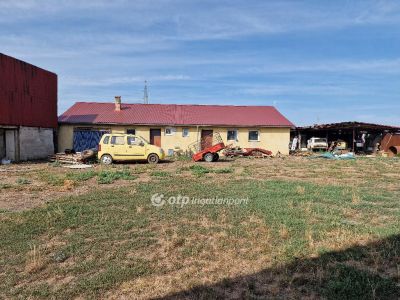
316 61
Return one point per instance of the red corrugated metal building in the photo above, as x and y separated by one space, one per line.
28 94
28 110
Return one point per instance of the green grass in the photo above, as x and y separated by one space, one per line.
109 176
160 174
82 176
295 236
223 171
51 178
199 170
4 186
22 181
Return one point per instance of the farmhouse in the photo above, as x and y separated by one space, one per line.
28 110
174 127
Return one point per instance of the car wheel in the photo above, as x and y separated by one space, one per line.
153 158
216 157
208 157
106 159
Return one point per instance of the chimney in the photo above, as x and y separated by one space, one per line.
117 103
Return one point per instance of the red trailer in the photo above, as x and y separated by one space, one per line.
207 148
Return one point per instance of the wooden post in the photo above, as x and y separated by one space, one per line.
354 138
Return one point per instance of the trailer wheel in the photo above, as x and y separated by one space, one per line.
208 157
215 157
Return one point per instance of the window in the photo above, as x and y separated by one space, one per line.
254 136
169 131
133 140
118 140
185 132
131 131
232 135
106 140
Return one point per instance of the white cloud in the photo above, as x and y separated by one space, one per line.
110 81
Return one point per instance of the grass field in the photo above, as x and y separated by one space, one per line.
310 228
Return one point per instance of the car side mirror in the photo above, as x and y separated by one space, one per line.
141 144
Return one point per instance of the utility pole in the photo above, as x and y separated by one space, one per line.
145 94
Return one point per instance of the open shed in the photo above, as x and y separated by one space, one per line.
360 137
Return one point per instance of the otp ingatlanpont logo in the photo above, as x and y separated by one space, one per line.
157 199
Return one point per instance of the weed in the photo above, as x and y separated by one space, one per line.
52 179
199 170
23 181
4 186
224 171
82 176
109 176
183 158
160 174
55 164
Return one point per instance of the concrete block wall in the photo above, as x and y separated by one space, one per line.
35 143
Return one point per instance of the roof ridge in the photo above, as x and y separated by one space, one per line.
174 104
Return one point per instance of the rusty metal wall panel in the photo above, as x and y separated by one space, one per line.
28 94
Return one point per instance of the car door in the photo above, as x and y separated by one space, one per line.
136 148
118 147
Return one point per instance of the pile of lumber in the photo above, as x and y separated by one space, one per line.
66 158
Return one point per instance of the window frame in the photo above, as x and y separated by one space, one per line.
106 140
131 129
183 132
136 141
258 135
172 131
118 136
236 135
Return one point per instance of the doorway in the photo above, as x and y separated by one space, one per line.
206 138
2 143
155 137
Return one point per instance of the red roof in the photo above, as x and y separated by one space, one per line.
173 114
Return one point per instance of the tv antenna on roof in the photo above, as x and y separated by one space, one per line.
145 93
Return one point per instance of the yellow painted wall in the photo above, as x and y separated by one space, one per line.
274 139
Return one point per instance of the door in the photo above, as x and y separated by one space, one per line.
136 148
2 144
118 146
206 138
155 137
11 144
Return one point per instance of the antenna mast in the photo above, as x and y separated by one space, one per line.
145 94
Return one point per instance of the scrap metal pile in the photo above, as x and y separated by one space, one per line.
251 152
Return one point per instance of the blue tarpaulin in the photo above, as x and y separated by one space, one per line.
87 139
330 155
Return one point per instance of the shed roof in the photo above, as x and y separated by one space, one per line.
349 125
174 114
